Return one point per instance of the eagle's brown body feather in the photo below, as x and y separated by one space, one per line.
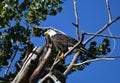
63 42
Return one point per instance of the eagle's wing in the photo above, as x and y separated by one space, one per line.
64 42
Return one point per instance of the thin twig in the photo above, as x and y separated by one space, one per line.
109 12
93 60
54 64
101 30
50 75
71 64
110 19
44 78
102 35
77 20
110 57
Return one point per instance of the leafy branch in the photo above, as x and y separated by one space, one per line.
12 59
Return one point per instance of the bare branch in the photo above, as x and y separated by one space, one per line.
71 64
101 30
49 75
36 74
53 77
110 57
110 19
26 70
93 60
109 12
102 35
43 63
77 20
54 64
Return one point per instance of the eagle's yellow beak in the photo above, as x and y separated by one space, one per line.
46 33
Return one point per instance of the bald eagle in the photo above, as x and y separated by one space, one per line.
64 42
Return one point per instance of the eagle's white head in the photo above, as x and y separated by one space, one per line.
50 32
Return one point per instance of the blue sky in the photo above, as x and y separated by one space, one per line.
93 16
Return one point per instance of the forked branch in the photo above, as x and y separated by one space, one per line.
110 19
101 30
109 12
102 35
77 20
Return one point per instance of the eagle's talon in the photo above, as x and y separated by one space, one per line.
61 57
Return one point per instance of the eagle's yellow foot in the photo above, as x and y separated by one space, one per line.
61 57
